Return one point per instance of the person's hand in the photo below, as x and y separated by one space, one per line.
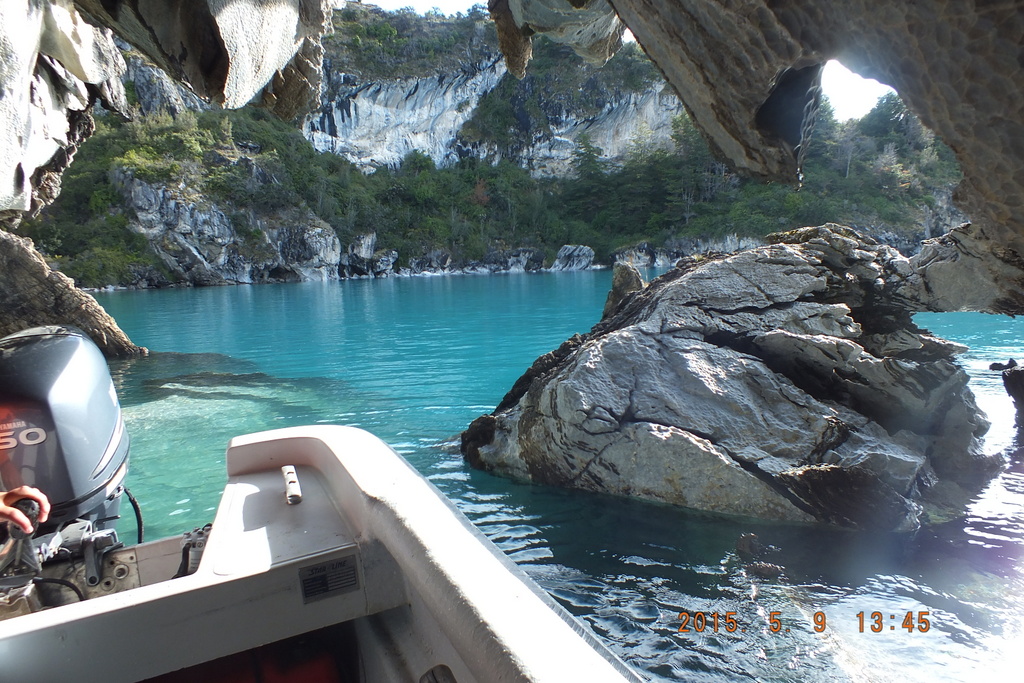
13 514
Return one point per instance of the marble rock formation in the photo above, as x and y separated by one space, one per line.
626 279
746 70
440 262
573 257
33 294
200 244
590 27
374 123
434 262
58 56
786 382
519 260
357 260
1013 382
362 259
155 90
379 123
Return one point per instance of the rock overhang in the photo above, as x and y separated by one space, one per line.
745 73
59 56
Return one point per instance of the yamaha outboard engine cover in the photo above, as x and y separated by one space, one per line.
61 428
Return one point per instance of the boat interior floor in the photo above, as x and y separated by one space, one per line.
328 655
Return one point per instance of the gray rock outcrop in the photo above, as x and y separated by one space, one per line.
202 244
625 120
440 262
384 262
1013 383
362 259
573 257
435 262
35 295
519 260
378 123
626 280
155 90
646 255
785 382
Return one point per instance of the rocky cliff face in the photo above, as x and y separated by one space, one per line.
378 123
810 396
625 120
154 89
201 244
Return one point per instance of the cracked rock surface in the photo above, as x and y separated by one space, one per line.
746 72
786 382
33 294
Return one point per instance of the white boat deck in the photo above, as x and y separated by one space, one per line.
371 542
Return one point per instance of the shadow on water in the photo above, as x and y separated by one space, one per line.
217 377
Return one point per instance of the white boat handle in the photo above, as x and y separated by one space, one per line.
292 492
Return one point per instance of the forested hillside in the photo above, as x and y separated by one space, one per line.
881 173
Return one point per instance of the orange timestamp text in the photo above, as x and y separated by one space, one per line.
700 622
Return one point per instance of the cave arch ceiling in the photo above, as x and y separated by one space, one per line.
746 71
57 56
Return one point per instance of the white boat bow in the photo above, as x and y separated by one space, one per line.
423 595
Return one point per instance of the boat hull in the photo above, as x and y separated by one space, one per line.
372 544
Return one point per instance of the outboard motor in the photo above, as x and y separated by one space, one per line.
61 429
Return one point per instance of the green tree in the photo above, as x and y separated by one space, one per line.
886 119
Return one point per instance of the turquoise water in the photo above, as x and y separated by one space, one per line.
415 360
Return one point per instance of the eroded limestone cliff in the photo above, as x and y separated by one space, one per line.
378 122
201 244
